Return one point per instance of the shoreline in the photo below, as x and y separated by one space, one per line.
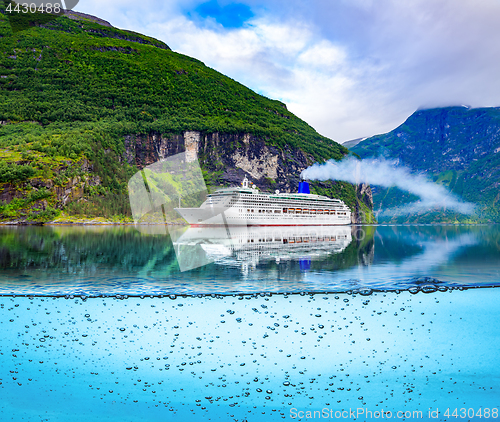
86 223
114 223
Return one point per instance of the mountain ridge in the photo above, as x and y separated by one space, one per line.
458 147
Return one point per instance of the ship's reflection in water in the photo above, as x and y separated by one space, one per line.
128 261
249 246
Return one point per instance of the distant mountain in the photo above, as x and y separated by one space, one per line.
353 142
458 147
84 106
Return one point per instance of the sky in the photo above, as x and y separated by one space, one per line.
349 68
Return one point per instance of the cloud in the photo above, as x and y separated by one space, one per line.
349 68
435 253
385 173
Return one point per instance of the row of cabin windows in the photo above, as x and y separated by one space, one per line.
261 211
295 211
295 239
307 211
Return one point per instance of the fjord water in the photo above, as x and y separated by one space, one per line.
100 324
122 260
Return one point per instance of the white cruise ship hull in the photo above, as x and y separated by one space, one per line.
248 207
231 216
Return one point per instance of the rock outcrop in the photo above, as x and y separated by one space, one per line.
231 157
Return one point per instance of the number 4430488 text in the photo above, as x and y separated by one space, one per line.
471 413
33 8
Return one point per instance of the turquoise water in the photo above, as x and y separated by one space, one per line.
123 260
219 343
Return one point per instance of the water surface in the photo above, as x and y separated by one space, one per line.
120 324
124 260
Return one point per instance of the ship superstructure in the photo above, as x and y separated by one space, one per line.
250 245
246 205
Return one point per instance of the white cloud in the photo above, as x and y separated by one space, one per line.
350 68
323 56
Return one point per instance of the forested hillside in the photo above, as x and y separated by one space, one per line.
83 106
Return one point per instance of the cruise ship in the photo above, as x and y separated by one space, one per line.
246 205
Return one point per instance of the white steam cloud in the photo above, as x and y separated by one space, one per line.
385 173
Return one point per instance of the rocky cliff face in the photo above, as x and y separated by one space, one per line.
226 157
363 194
229 157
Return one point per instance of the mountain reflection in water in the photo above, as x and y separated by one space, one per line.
97 260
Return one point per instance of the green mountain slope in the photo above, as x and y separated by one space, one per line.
457 147
84 106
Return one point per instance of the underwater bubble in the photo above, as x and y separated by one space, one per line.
365 292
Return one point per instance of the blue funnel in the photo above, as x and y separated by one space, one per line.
305 264
304 187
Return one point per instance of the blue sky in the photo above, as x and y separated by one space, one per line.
350 68
230 15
